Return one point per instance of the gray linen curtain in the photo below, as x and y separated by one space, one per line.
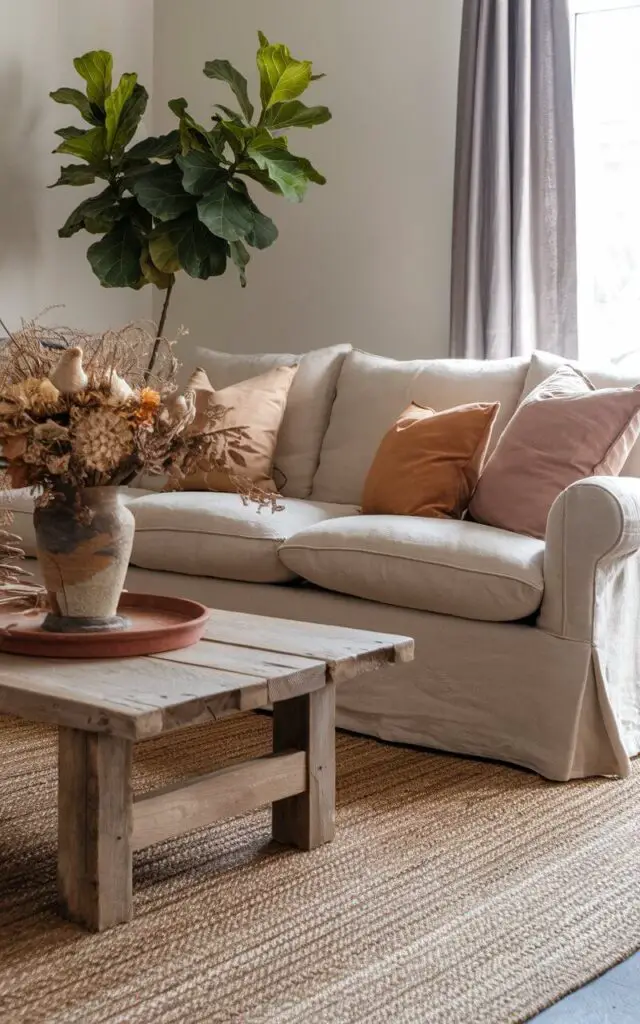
514 234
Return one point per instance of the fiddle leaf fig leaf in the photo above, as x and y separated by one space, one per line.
152 274
241 257
115 259
231 115
227 213
251 170
178 106
114 105
89 146
237 135
223 71
130 118
70 133
192 134
296 115
186 243
161 147
200 172
282 78
75 174
161 192
283 168
96 68
76 99
163 248
97 213
264 232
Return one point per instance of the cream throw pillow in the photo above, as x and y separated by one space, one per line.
258 405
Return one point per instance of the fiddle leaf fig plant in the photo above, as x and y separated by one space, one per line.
182 201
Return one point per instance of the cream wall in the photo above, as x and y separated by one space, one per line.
366 258
39 38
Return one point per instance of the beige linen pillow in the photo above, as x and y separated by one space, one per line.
563 431
308 404
257 404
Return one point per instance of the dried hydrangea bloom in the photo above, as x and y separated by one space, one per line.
101 438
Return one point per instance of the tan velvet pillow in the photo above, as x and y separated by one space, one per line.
257 404
429 463
563 431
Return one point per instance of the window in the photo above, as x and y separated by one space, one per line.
607 120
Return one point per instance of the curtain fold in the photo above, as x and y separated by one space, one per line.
513 280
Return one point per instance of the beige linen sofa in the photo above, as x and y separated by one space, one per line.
528 651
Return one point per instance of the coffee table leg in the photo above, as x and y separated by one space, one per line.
308 723
95 812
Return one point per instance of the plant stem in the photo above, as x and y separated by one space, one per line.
163 320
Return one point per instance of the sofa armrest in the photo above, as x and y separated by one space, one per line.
592 579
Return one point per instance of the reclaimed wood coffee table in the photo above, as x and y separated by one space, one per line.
102 708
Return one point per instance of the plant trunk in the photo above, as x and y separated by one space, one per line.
158 339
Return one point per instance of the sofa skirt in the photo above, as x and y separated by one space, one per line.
505 691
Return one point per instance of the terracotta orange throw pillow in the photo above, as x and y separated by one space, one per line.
429 463
257 404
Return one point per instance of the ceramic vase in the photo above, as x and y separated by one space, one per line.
84 540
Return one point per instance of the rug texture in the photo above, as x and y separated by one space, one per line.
456 892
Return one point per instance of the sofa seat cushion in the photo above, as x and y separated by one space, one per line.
436 565
202 533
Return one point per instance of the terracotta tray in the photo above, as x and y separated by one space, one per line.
157 624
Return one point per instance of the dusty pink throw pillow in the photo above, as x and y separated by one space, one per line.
564 430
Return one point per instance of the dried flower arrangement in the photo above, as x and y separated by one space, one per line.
78 411
75 412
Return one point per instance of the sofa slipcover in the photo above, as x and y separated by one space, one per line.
372 393
202 533
308 404
436 565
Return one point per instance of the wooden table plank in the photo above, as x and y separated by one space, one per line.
285 674
346 652
132 697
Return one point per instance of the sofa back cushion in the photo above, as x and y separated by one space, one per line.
308 405
543 364
373 392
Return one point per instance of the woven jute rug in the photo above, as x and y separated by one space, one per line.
456 892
